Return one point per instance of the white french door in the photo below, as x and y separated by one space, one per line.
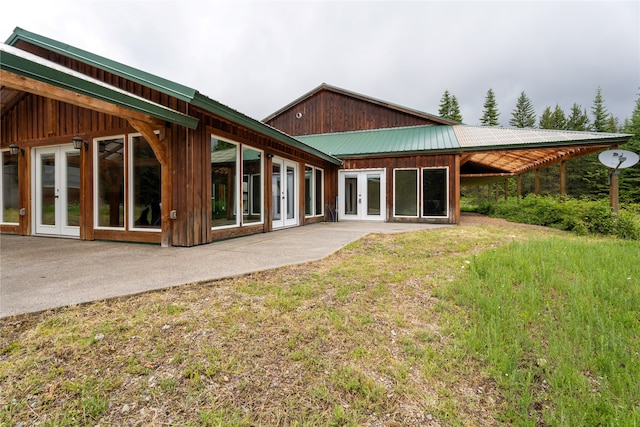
361 195
284 177
57 191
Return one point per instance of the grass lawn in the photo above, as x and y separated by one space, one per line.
473 325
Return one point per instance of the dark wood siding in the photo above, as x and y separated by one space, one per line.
390 163
328 112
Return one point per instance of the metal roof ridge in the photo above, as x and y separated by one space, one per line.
584 132
162 84
378 130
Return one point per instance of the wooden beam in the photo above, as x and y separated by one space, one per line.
16 82
563 177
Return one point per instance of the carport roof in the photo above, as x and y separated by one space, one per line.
494 150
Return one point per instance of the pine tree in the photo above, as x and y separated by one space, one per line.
490 113
599 112
630 177
546 122
449 107
524 115
445 104
454 113
559 120
578 119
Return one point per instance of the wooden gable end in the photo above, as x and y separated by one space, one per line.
329 111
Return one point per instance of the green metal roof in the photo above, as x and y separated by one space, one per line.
412 139
163 85
34 67
168 87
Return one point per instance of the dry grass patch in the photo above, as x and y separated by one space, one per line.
354 339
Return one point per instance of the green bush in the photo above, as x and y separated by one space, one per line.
579 216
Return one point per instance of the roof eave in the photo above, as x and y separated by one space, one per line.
155 82
21 65
620 139
228 113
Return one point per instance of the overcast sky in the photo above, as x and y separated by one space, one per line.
257 56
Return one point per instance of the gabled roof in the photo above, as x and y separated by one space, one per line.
327 87
160 84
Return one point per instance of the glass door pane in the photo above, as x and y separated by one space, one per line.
351 195
48 190
72 190
290 195
373 194
277 192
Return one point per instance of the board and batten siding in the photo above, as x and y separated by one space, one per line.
452 161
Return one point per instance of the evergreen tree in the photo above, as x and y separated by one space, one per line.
445 104
599 112
524 115
612 124
490 113
546 122
578 119
559 120
449 107
454 113
630 177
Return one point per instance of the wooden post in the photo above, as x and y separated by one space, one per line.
536 183
563 178
613 191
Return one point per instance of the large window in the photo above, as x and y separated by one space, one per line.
9 210
224 188
236 184
251 186
313 191
146 185
435 201
109 183
405 192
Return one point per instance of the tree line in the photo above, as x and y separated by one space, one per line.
586 176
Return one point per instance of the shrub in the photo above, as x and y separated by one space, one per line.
580 216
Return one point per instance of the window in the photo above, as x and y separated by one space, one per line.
9 210
405 192
145 185
435 192
229 195
109 183
224 188
313 191
251 186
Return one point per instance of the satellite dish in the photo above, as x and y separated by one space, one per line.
618 159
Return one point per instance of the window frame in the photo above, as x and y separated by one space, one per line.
130 182
446 191
313 197
2 183
417 195
239 185
96 182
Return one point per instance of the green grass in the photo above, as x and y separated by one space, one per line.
556 322
492 325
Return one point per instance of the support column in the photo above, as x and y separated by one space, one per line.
614 191
563 178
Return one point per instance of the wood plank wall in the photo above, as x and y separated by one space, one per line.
36 121
415 161
327 112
